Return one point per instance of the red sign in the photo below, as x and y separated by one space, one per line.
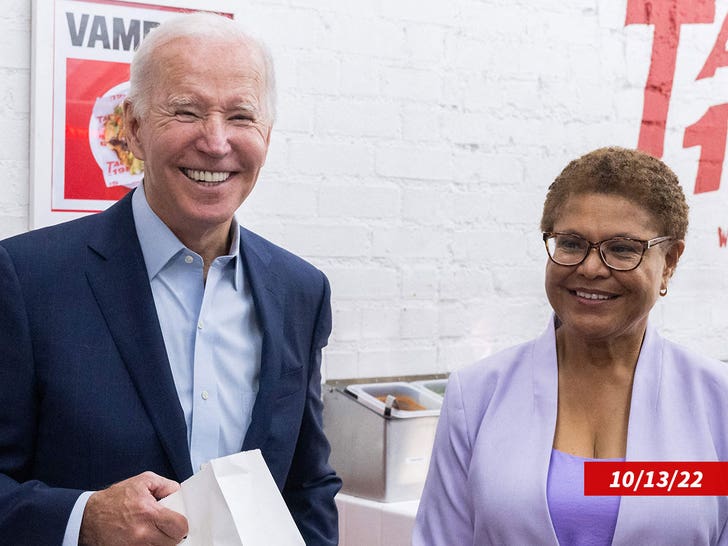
655 478
82 132
87 80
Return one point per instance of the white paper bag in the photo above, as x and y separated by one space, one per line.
234 501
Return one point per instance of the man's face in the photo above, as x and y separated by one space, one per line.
205 135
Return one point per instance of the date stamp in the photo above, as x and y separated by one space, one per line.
655 478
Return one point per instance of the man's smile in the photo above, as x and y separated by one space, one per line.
206 176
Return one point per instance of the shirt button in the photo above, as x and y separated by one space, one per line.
200 325
205 395
189 259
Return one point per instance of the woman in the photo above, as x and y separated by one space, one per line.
599 384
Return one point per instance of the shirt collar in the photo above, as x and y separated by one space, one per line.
160 245
235 254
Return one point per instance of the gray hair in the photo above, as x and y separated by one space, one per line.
192 25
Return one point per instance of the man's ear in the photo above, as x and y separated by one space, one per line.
266 136
131 128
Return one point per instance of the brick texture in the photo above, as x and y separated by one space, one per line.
415 143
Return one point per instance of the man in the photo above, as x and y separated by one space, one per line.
141 342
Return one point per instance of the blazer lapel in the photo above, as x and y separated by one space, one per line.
646 440
118 278
544 370
269 311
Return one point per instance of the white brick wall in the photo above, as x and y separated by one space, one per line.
414 145
14 115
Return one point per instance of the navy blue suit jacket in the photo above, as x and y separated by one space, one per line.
86 392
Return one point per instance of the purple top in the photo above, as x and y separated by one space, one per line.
578 520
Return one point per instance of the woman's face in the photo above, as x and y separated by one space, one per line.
592 301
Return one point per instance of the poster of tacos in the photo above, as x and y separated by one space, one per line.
80 159
97 163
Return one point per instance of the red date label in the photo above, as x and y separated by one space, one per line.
655 478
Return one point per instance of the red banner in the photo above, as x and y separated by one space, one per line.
655 478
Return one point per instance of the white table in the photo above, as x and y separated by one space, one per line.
364 522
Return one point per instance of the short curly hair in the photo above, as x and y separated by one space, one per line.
632 174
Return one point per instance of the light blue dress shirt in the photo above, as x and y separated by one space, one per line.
212 338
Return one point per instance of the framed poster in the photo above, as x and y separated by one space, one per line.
80 76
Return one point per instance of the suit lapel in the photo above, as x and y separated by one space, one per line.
544 370
118 278
269 311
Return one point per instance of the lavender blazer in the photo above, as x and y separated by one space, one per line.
487 478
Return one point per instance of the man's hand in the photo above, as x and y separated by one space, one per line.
127 514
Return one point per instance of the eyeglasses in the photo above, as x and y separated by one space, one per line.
618 253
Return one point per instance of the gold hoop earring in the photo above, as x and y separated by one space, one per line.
663 292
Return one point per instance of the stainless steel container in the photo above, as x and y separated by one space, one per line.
435 386
381 452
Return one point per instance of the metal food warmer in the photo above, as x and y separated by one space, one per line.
381 432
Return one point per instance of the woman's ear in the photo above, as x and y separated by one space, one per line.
672 256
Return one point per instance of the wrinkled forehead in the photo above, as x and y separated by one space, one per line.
232 56
205 62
